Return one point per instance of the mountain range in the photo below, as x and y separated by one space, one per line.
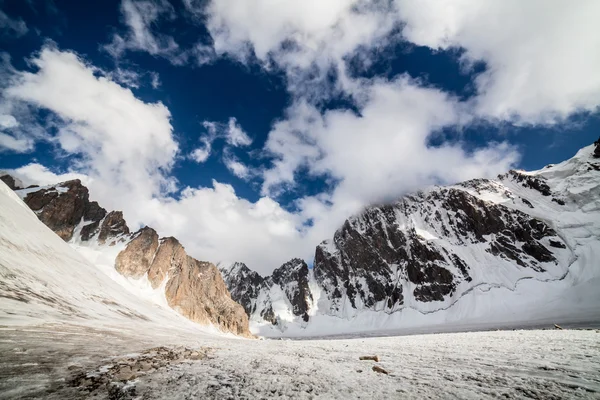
525 245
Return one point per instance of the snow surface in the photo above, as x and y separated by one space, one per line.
542 364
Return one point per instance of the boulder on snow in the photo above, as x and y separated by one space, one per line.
380 370
373 358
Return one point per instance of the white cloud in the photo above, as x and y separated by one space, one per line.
37 174
236 167
125 77
140 17
12 27
307 38
16 144
126 145
215 224
126 149
233 134
201 154
155 80
376 156
542 55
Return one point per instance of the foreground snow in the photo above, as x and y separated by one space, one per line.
40 361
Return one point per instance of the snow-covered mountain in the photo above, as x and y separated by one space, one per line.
517 248
154 270
500 249
283 296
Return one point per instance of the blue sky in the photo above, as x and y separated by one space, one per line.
251 129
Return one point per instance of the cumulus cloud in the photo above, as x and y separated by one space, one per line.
377 155
125 150
37 174
542 56
124 142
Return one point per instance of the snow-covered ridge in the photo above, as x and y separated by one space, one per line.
482 249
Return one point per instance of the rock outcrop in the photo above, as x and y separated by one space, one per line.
292 278
193 288
286 288
66 206
11 182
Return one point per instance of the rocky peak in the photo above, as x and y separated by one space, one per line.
193 288
597 148
292 277
63 207
288 286
137 257
11 182
66 206
244 285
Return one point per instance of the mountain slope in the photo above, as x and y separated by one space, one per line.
194 289
42 279
485 250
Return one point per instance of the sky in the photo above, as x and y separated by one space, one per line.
251 129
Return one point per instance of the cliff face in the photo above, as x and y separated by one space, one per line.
423 247
66 207
193 288
285 290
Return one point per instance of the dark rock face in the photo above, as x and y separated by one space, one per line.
247 286
61 208
374 254
112 226
476 218
64 206
597 148
292 277
528 181
10 182
244 285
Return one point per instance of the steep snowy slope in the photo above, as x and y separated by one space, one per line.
193 288
43 280
521 247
